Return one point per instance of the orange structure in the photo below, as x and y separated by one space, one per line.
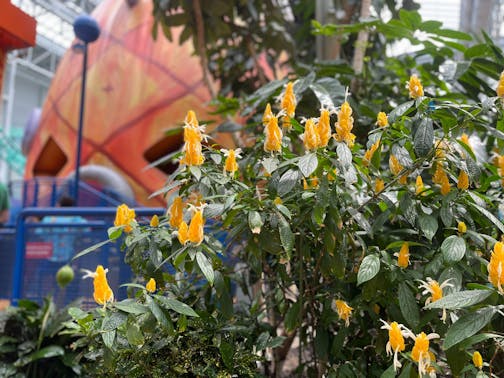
137 89
17 31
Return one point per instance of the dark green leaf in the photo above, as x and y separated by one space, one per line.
307 164
175 305
408 305
205 266
287 182
286 236
399 111
134 335
227 353
292 316
91 249
467 326
460 299
131 307
424 138
429 225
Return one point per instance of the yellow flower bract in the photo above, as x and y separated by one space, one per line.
124 217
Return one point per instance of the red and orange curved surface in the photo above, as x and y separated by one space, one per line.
137 88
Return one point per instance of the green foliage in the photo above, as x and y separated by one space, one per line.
31 344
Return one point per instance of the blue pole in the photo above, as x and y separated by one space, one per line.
81 124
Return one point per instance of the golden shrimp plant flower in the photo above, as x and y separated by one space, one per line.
477 360
463 181
396 168
397 332
288 105
176 212
500 166
435 290
193 136
230 165
273 141
154 222
151 285
324 128
496 267
461 227
102 291
344 125
419 186
311 137
125 217
403 256
500 86
382 119
344 311
379 186
267 115
415 87
195 232
183 233
420 352
368 155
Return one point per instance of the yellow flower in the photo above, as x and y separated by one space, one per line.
403 256
288 105
267 115
434 288
496 267
102 291
397 332
500 85
415 87
420 352
324 128
332 174
462 228
277 201
182 233
154 222
176 212
463 181
381 119
192 141
311 183
465 139
311 138
379 186
191 119
151 285
230 164
368 155
440 177
344 125
419 185
477 360
193 154
396 168
500 165
195 232
273 141
344 311
124 217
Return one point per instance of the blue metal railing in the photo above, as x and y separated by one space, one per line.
96 218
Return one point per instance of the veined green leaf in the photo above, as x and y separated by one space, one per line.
369 267
460 299
467 326
453 248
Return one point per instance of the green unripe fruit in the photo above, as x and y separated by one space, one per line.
64 276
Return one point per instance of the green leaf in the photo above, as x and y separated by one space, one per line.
453 249
131 307
90 249
344 154
399 111
424 138
115 232
227 353
175 305
195 171
113 321
229 127
286 236
158 313
389 373
205 266
460 299
489 215
467 326
46 352
134 334
428 225
255 222
454 34
288 181
292 316
322 95
307 164
369 268
108 338
270 164
408 305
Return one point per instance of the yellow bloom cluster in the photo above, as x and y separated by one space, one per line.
324 128
230 165
273 141
500 165
496 267
419 185
368 155
382 119
187 233
176 212
288 105
403 256
461 227
477 360
415 87
102 291
344 311
396 168
500 86
193 135
125 217
311 137
441 178
344 125
379 186
151 285
463 181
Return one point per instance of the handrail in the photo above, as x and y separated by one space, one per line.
17 282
